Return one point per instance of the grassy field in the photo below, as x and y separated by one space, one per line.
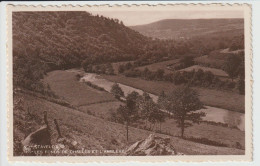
208 60
220 134
102 110
216 72
160 65
216 98
65 85
91 132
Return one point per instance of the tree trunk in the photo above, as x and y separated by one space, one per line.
152 127
182 131
182 126
127 131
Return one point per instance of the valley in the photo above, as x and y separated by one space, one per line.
104 109
109 86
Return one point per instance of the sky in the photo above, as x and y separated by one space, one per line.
131 18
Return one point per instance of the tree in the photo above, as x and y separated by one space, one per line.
241 81
221 45
128 65
117 91
232 65
150 111
128 113
121 68
159 74
182 103
109 69
187 61
161 100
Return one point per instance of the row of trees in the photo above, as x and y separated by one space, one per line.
185 61
180 104
198 78
233 65
98 68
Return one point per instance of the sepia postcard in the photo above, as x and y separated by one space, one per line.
117 83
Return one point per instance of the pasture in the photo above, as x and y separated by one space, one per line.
216 72
165 65
65 85
102 110
216 98
207 60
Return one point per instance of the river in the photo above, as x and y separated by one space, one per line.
214 114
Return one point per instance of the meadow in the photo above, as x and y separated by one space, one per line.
207 60
160 65
216 98
66 86
102 110
216 72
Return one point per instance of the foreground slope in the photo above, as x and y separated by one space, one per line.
91 132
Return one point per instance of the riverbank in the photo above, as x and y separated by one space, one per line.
217 115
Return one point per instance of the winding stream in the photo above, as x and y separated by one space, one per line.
214 114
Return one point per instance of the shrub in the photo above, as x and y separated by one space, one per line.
206 141
94 86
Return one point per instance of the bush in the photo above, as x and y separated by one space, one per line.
133 73
94 86
78 76
206 141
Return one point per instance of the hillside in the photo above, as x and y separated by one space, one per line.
87 131
188 28
44 41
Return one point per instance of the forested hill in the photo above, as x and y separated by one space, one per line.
187 28
43 41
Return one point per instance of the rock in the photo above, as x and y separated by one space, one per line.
40 137
152 145
67 143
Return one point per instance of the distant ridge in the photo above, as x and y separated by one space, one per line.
186 28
